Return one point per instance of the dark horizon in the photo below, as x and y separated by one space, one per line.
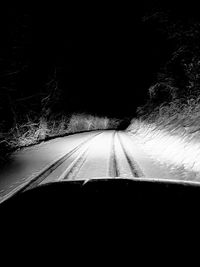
103 59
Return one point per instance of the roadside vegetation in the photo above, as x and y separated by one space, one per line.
28 120
174 98
34 130
169 121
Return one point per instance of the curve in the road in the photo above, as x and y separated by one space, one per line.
105 154
42 175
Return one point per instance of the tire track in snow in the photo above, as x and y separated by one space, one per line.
135 169
37 178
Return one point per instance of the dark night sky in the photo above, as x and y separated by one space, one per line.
105 57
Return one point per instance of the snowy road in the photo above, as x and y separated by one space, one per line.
97 154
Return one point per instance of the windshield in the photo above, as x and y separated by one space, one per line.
114 93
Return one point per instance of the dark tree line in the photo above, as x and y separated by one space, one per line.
29 83
179 76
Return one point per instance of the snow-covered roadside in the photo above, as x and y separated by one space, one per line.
179 153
